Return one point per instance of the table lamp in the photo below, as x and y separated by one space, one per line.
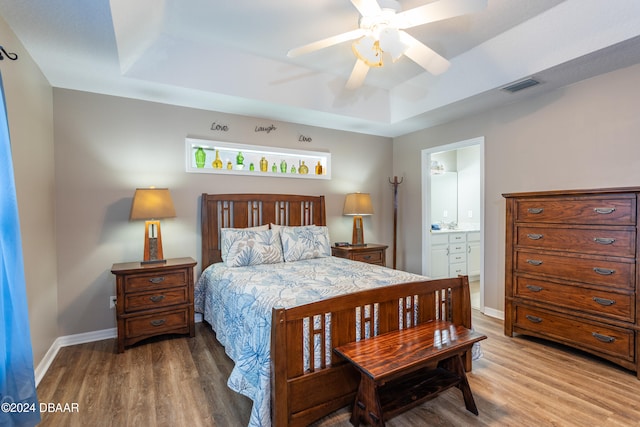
152 204
357 205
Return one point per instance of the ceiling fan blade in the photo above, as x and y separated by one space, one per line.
358 74
329 41
423 55
367 7
437 11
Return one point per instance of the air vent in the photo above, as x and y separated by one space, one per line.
522 84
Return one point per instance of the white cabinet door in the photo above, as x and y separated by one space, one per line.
473 254
439 261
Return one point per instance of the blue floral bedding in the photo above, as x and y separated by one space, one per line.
237 303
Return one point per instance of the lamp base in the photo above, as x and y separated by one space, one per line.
152 243
357 238
153 261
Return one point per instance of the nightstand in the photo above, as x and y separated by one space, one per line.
370 253
153 299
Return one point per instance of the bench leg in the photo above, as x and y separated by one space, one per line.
367 405
455 365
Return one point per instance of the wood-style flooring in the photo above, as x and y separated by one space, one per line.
182 382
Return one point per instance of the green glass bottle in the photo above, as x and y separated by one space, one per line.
274 168
283 166
201 157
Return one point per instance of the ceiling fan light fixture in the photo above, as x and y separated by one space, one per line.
392 43
368 50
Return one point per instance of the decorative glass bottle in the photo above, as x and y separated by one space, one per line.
303 169
274 168
283 166
217 163
319 168
201 157
293 168
264 165
239 160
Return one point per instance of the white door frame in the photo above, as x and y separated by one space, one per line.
426 203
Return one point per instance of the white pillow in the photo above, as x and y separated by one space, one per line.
224 248
243 247
305 242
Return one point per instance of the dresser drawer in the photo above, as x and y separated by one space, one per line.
373 257
597 271
620 210
153 324
140 282
590 240
614 305
593 336
151 300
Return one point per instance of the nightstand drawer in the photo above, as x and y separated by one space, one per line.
142 282
176 321
373 257
161 298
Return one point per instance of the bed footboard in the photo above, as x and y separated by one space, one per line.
309 384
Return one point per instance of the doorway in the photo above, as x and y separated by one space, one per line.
453 213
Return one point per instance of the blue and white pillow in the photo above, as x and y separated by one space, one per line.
305 242
243 247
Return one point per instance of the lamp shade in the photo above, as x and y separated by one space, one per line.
357 204
152 203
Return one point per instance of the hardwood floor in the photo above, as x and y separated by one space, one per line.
182 382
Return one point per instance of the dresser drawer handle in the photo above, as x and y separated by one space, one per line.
604 211
534 262
156 280
604 271
604 240
367 257
603 338
533 288
156 298
158 322
604 301
534 319
535 210
535 236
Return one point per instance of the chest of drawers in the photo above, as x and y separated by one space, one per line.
154 299
571 270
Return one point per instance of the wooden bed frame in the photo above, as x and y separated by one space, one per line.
302 395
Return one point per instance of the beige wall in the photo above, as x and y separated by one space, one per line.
582 136
30 111
106 146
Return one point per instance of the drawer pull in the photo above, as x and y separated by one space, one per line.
535 210
156 298
535 236
158 322
604 271
156 280
533 288
604 240
604 301
367 257
603 338
534 319
534 262
604 211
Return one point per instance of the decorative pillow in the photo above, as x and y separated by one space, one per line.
243 247
224 248
305 242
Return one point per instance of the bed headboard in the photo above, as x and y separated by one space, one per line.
250 210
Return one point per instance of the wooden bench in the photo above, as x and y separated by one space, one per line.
402 369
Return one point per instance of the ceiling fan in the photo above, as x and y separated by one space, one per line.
381 32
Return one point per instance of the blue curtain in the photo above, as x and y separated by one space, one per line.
18 400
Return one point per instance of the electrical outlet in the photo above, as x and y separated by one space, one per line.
112 301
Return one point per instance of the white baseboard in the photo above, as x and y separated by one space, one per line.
68 340
498 314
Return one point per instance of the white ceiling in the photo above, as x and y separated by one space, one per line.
231 56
